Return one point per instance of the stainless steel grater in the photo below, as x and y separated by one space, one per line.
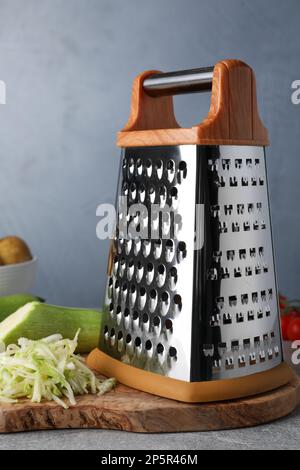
191 291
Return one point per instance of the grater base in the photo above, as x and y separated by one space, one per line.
190 392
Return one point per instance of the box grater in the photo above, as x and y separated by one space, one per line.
191 301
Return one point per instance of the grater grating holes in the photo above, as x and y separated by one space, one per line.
131 167
142 193
157 251
169 325
182 251
122 266
182 172
162 196
150 273
170 250
172 352
244 181
149 348
132 296
174 198
177 224
137 246
226 164
170 170
128 338
177 304
133 192
135 318
161 275
156 325
241 209
125 189
120 335
139 167
112 337
159 167
142 298
146 248
238 163
251 315
148 168
160 350
240 318
173 278
164 303
139 272
151 194
130 270
138 345
128 246
153 300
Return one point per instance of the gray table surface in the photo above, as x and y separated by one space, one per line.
282 434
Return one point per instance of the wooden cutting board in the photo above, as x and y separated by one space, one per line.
126 409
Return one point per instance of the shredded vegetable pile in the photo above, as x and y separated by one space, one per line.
47 369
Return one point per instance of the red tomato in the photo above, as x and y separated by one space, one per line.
293 329
294 313
285 321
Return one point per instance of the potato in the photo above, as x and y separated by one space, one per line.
13 250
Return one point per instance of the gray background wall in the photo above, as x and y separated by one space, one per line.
69 65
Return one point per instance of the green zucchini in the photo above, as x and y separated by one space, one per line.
11 303
36 320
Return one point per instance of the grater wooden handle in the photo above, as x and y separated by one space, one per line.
233 118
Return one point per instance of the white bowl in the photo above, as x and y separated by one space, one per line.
17 278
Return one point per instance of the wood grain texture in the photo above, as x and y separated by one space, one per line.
233 118
147 112
130 410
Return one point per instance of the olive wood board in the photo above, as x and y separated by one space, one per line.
125 409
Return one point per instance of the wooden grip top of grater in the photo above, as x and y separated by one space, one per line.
233 118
